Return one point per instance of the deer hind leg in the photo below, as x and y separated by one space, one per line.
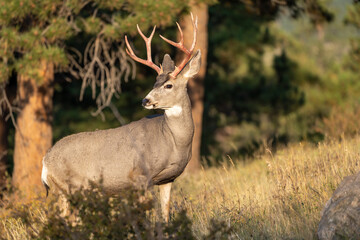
165 190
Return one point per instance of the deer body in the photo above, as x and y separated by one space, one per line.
152 151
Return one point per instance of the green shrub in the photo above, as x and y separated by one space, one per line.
93 214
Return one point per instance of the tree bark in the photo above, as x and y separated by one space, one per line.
33 136
196 85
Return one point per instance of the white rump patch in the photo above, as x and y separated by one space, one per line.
44 173
174 111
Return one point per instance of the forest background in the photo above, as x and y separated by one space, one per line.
278 74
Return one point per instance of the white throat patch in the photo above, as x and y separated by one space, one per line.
174 111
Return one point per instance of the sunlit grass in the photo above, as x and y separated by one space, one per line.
276 196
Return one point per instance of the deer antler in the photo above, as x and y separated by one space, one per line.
149 61
180 45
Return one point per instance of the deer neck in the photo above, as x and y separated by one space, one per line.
180 123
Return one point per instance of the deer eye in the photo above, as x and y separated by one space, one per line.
168 86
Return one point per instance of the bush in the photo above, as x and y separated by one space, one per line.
93 214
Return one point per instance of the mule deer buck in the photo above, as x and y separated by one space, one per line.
152 151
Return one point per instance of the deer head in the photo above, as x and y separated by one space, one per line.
170 86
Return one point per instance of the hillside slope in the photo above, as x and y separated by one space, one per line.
279 196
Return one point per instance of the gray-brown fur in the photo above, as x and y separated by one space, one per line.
141 154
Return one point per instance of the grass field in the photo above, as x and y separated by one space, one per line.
276 196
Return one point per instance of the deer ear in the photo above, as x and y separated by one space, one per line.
192 67
168 64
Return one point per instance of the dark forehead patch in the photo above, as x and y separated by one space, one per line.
161 79
168 66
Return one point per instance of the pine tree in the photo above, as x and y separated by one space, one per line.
196 85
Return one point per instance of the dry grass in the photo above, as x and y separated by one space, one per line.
276 197
273 197
16 227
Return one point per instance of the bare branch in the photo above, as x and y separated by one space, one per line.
103 66
117 114
6 104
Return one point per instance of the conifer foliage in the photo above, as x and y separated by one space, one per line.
353 19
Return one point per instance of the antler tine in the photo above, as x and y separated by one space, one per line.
147 41
195 25
149 61
180 44
182 47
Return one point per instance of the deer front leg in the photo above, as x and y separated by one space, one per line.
64 205
165 190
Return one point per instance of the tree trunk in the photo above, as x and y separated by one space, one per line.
3 151
33 136
196 85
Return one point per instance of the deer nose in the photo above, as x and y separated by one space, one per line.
145 101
